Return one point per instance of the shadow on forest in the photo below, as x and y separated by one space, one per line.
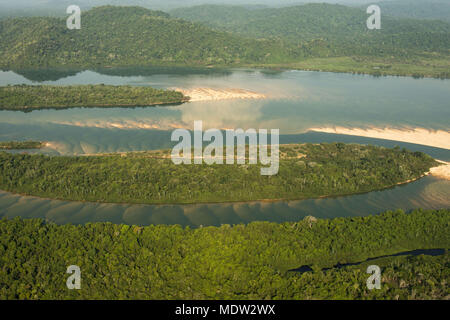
427 252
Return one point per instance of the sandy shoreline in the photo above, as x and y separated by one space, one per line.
437 138
209 94
442 171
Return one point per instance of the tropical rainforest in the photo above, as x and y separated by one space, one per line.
119 36
253 261
26 98
305 171
291 37
337 37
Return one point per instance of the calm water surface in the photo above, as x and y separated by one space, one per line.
296 102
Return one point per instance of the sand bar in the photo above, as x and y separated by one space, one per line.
442 171
432 138
209 94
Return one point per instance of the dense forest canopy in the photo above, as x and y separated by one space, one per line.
227 36
228 262
339 25
305 171
126 36
26 98
335 37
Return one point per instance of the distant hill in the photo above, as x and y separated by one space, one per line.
112 36
338 24
228 36
419 9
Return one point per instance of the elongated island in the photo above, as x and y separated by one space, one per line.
28 97
305 171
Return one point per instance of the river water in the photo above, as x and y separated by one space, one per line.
296 101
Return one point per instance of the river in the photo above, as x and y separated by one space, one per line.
297 101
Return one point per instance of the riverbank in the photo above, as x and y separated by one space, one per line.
417 67
432 138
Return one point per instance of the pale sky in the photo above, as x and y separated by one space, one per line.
165 3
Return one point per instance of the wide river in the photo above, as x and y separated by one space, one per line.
297 101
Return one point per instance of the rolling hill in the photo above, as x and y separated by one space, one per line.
113 36
287 37
341 25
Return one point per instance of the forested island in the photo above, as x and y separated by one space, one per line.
305 171
19 145
322 37
229 262
30 97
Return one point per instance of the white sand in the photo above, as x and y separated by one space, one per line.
442 171
437 138
209 94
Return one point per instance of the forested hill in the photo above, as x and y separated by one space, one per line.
345 27
113 36
229 36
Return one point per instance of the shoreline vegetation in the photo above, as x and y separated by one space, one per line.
20 145
37 97
305 171
421 67
253 261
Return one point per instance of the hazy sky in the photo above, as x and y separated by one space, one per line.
164 3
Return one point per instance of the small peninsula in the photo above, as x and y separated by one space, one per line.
30 97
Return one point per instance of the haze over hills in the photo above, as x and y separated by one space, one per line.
226 36
343 26
418 9
300 22
433 9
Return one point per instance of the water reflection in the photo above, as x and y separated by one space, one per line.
297 101
55 74
73 140
427 193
